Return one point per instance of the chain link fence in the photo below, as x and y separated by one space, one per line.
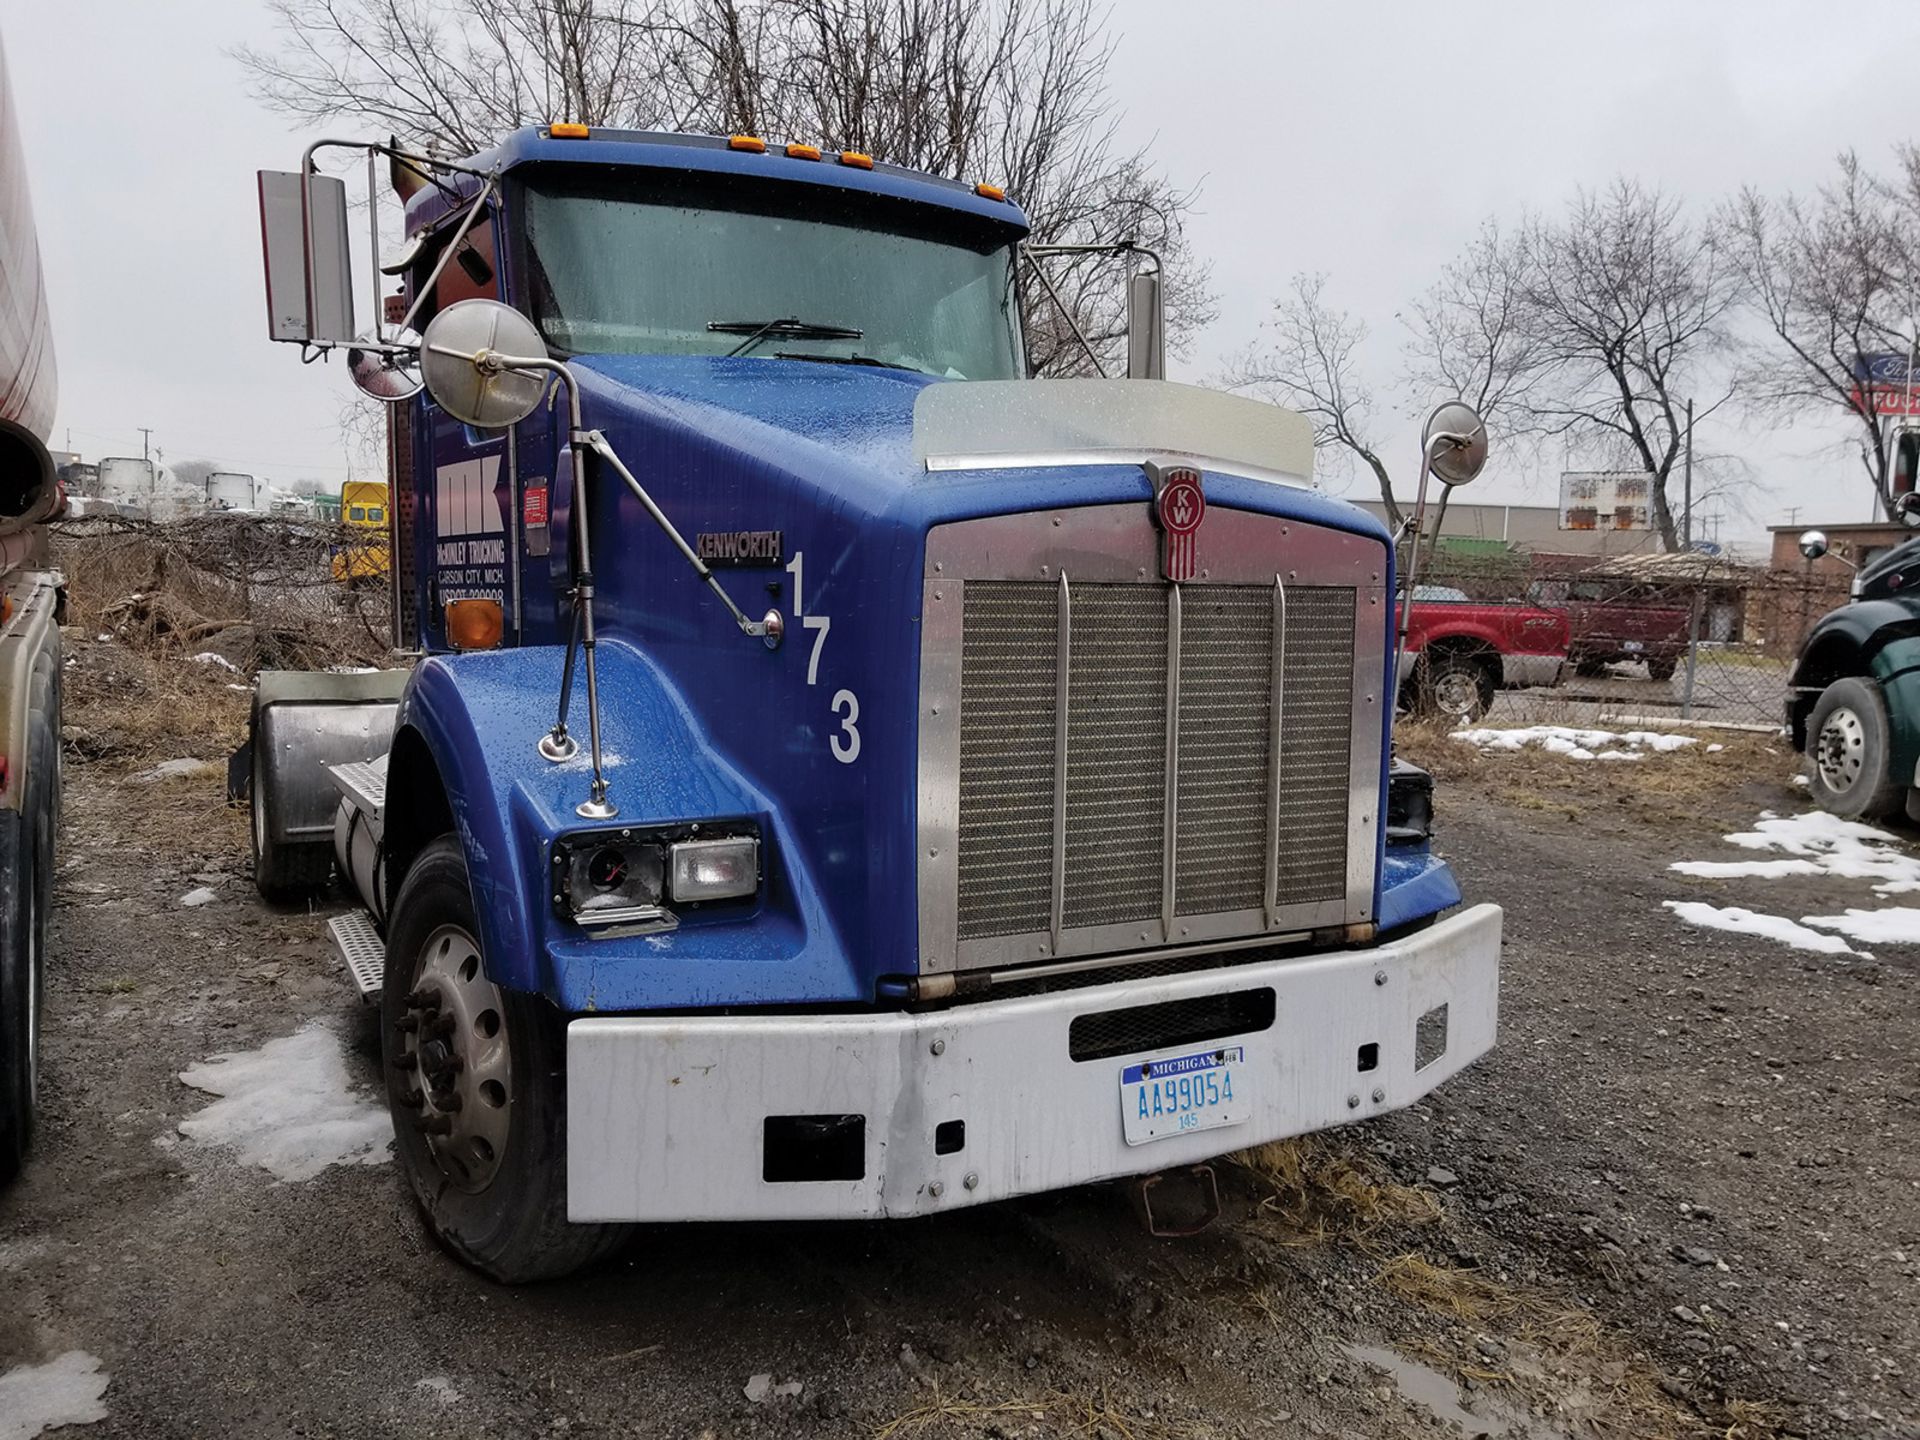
260 592
1641 639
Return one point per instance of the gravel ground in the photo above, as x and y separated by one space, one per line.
1681 1198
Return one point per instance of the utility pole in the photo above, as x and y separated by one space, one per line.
1686 533
146 437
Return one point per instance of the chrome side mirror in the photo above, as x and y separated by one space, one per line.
383 370
309 266
472 359
1906 509
1813 543
1146 328
1455 443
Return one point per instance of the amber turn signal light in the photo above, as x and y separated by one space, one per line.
474 624
568 130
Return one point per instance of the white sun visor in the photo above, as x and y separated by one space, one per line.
1021 424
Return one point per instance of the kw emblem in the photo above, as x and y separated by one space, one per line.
1179 505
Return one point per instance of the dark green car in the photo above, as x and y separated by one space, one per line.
1853 699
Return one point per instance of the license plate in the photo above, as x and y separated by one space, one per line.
1632 647
1184 1094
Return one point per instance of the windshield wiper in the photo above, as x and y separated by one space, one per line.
848 360
789 328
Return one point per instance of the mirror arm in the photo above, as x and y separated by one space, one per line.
1060 305
770 629
446 254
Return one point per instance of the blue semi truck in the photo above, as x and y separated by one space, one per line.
832 773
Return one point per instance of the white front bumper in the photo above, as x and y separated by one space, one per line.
665 1116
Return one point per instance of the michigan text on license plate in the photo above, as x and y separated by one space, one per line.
1184 1093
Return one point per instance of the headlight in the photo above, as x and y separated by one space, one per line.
726 869
632 877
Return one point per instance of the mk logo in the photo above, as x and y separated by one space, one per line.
1179 505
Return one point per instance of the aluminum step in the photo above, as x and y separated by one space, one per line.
363 950
364 782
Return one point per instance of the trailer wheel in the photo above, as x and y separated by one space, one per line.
1848 741
26 851
281 871
476 1081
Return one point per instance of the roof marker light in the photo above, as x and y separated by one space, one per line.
567 130
752 144
856 159
991 192
803 152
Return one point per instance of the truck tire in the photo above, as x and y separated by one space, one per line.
26 853
1849 742
476 1082
1662 669
282 871
1590 667
1458 688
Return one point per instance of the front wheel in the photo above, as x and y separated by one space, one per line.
476 1082
1456 688
1849 742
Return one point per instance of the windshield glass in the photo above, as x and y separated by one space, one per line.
706 265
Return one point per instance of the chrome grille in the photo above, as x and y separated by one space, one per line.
1260 814
1006 760
1317 710
1116 753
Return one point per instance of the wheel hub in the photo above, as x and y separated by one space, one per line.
453 1037
1841 751
1456 693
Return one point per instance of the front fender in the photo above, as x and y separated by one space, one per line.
481 717
1879 639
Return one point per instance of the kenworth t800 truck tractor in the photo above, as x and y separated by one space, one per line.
837 774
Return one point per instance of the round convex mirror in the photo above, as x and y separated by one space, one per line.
1456 441
464 359
384 374
1813 543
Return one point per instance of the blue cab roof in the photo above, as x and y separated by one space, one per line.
713 155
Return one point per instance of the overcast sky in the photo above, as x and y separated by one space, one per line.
1365 141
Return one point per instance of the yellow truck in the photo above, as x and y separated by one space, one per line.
363 553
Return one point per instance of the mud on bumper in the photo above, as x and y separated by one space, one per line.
684 1118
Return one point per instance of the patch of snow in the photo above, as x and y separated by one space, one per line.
209 657
175 769
1895 925
288 1107
1715 749
1573 743
193 899
1751 922
1802 781
438 1387
1825 845
64 1391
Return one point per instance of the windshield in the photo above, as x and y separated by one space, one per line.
706 265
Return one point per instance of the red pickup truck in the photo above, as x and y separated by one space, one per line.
1461 651
1613 620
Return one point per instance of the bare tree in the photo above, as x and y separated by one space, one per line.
194 474
1008 90
1831 278
1470 337
1625 306
1310 361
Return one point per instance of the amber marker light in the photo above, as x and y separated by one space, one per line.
752 144
856 159
803 152
568 130
991 192
474 624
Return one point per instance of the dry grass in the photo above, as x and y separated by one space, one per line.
1064 1414
1323 1193
1662 788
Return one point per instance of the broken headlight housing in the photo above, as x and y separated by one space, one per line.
642 877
